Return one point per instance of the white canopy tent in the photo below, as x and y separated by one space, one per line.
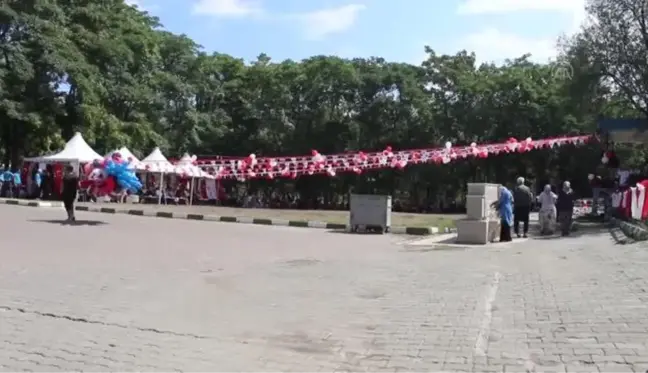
75 151
155 162
185 166
125 154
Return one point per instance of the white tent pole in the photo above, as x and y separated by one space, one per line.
160 188
191 187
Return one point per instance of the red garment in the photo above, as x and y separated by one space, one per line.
57 185
108 186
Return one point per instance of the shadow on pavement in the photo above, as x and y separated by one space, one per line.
580 231
91 223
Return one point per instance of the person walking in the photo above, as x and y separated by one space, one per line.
565 206
505 208
69 194
547 214
37 181
522 200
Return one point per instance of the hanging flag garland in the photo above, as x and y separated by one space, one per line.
252 167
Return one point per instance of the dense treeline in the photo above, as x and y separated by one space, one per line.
110 71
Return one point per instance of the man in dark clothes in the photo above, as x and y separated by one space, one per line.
70 186
565 207
522 200
47 182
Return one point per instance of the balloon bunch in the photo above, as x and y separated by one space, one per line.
111 173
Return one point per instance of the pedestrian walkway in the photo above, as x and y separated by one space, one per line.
119 292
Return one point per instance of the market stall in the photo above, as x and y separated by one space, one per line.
156 163
186 167
75 152
627 195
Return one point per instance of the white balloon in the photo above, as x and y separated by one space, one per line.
590 177
448 145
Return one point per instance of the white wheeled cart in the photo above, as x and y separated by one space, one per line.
370 213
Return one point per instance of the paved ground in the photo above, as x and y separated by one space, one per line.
160 295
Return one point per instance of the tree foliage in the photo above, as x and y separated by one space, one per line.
109 70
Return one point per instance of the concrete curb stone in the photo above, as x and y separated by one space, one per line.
413 231
632 231
30 203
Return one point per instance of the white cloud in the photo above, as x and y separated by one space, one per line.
324 22
228 8
315 25
135 3
494 45
509 6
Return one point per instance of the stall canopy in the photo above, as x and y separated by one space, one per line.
76 150
186 167
125 154
155 162
624 130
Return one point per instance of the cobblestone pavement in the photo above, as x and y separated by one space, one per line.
162 295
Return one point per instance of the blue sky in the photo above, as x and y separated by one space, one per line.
395 30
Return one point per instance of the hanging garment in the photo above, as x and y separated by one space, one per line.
634 207
616 199
640 197
644 210
210 189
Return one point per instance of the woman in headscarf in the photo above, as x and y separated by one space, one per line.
565 207
505 207
547 200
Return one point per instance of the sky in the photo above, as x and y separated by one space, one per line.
495 30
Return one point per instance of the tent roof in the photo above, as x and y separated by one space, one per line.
76 150
156 156
125 154
155 162
186 158
186 166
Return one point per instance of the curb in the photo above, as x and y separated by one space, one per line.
412 231
30 203
632 231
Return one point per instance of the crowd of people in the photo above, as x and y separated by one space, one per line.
556 209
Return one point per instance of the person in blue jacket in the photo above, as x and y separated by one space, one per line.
7 183
37 178
505 207
17 183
